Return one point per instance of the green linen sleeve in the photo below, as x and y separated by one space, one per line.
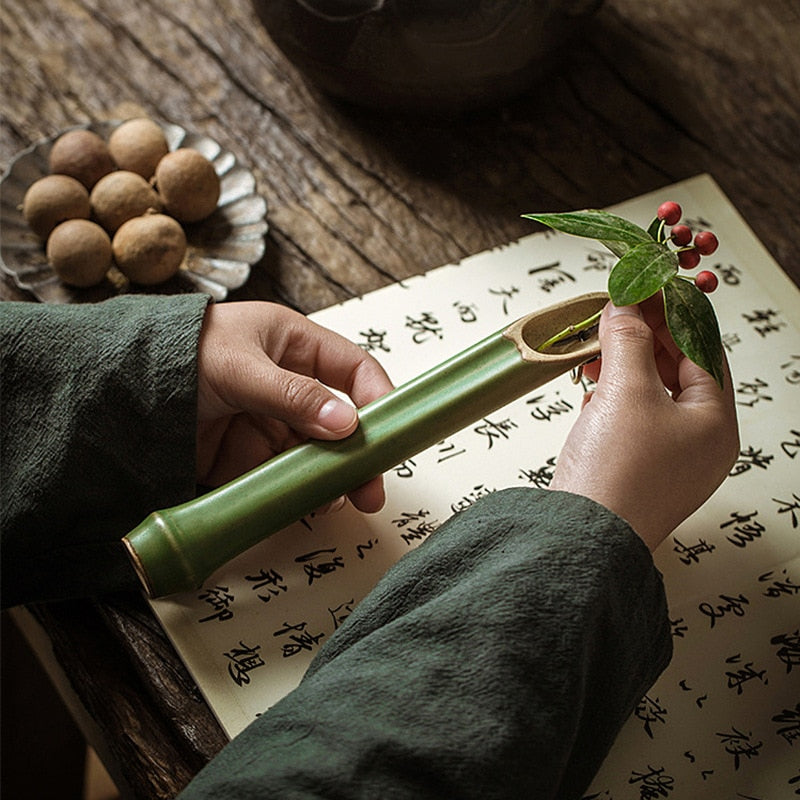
98 428
497 660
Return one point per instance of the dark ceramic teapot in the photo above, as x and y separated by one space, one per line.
425 55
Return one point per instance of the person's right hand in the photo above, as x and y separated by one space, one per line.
651 456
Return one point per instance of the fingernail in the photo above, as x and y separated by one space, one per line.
631 311
336 416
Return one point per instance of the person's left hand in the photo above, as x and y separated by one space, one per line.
261 370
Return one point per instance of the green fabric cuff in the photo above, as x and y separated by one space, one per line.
98 428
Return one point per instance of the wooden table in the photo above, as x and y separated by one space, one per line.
653 93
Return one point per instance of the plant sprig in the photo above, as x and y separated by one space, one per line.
649 261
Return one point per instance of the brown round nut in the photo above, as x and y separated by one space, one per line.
149 249
188 184
81 154
120 196
53 199
79 251
138 145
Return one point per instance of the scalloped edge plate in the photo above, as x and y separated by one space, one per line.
221 249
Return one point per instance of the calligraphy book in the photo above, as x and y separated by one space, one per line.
724 718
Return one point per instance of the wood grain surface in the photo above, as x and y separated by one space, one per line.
651 93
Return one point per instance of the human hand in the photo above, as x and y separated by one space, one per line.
261 369
651 458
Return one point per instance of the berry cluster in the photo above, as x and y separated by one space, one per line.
689 250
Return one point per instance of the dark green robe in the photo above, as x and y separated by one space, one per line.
497 660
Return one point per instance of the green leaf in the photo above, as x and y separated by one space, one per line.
617 248
593 224
694 327
656 228
641 272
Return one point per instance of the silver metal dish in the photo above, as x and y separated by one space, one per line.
221 249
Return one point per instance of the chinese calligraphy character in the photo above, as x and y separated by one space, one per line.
653 784
553 275
420 531
407 517
730 605
729 340
314 571
506 294
789 652
600 260
738 744
650 711
731 275
220 600
541 477
792 368
271 579
750 458
300 640
779 586
424 328
678 627
747 673
690 554
495 430
362 548
786 506
447 450
697 223
766 318
754 391
405 469
791 730
243 660
466 313
791 447
544 412
746 529
468 499
374 340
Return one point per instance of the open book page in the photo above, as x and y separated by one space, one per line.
723 721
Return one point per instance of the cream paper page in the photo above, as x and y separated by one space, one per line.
723 721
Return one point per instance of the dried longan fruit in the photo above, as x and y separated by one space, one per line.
188 184
83 155
138 145
120 196
149 249
79 251
52 200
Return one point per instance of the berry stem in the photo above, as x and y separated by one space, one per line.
570 331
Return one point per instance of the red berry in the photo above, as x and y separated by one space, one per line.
681 235
706 281
688 259
706 243
669 212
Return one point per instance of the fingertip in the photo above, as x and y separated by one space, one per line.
337 417
612 311
369 498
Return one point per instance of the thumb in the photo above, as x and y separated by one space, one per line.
306 405
259 387
626 343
